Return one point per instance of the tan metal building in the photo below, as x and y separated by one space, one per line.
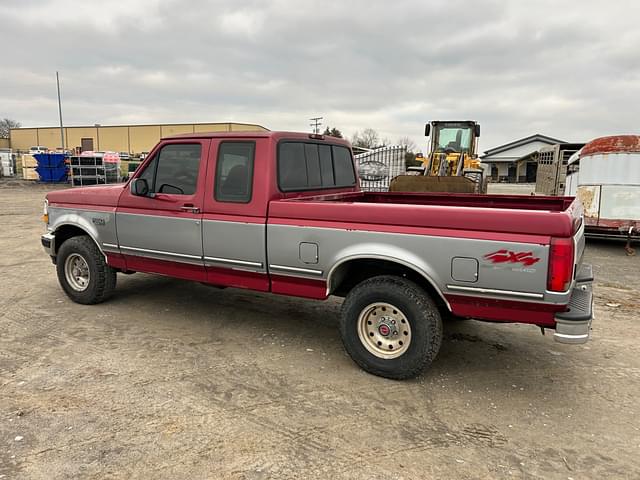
118 138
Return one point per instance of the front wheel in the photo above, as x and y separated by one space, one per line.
391 327
83 272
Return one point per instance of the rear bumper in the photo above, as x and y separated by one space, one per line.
574 325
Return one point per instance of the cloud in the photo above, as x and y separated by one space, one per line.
568 70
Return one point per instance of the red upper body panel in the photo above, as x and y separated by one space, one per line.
99 196
543 216
549 216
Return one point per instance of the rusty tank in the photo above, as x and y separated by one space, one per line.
607 171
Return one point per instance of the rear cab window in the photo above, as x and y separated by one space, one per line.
314 166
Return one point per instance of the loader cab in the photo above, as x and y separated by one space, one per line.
453 148
453 137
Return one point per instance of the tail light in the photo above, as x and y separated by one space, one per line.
560 264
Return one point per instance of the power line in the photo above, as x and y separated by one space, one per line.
316 124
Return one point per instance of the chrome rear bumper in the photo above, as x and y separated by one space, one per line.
574 325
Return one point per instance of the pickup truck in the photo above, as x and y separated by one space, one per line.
283 213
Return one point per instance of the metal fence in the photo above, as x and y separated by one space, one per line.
378 167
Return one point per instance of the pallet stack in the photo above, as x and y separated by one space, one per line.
29 165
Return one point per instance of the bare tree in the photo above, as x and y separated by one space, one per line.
6 124
410 155
369 138
386 142
408 143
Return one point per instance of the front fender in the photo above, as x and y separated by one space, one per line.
99 225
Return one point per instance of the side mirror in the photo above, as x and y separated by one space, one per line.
140 187
477 130
427 129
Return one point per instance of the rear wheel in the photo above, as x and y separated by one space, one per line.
83 272
391 327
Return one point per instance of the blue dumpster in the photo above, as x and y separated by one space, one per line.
51 160
52 174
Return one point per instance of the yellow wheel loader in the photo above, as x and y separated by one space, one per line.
452 164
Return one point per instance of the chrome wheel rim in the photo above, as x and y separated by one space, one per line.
384 330
76 271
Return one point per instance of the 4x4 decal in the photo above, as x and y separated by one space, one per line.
507 256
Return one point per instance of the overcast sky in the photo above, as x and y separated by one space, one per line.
568 69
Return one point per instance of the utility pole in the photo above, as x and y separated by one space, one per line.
97 125
60 112
316 124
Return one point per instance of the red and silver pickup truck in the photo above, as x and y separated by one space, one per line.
282 212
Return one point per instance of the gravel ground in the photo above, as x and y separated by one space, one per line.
171 379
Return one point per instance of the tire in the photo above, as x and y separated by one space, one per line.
387 305
87 283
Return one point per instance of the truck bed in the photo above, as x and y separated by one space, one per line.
535 215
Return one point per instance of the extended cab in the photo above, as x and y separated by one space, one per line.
283 213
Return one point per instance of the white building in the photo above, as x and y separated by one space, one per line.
505 163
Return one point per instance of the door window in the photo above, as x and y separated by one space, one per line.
174 169
234 172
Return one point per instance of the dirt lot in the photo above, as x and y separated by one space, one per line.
171 379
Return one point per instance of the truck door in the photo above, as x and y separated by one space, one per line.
162 231
235 210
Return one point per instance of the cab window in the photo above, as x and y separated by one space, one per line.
314 166
234 172
174 169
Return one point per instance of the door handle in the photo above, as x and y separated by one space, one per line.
190 208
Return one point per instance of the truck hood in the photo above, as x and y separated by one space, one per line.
104 195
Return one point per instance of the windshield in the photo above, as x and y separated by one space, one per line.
456 138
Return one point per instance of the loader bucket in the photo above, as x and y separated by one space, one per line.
422 183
